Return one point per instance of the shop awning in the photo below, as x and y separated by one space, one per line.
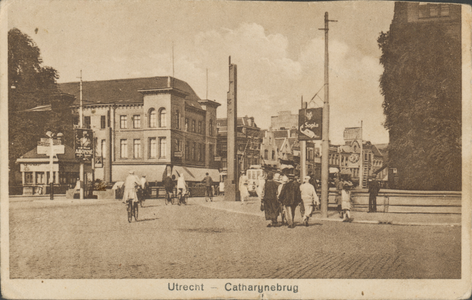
197 174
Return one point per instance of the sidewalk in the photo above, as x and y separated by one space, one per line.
252 207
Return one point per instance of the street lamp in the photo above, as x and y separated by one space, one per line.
51 163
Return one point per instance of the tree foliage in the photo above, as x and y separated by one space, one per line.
421 85
30 85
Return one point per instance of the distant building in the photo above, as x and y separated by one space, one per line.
248 142
269 151
352 155
35 170
284 120
145 124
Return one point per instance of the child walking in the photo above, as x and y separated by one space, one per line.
346 203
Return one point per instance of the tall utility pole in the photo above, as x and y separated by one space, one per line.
81 124
303 149
325 143
361 162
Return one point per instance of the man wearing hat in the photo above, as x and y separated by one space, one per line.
290 197
374 189
309 198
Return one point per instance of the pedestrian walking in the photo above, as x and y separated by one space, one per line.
208 184
143 191
281 180
260 183
131 183
290 199
243 184
169 187
346 203
271 204
309 198
374 189
181 188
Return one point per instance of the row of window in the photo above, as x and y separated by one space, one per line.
158 119
427 10
157 148
43 177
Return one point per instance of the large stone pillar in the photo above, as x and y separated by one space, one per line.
231 182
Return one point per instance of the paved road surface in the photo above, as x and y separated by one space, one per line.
54 239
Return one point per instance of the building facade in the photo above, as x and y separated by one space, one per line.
248 143
35 168
145 124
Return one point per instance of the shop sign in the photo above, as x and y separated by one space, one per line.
177 153
310 124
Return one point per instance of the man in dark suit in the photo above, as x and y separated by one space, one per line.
374 189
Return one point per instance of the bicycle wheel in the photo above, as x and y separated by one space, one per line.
130 211
136 211
166 199
175 200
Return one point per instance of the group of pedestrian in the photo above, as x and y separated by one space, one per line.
283 194
170 183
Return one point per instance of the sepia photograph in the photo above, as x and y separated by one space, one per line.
235 149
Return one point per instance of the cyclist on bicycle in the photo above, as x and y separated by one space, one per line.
169 187
131 183
181 188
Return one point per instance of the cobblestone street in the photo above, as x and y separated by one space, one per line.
74 240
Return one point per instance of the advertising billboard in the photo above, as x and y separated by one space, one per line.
83 144
310 122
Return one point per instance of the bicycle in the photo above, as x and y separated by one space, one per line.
141 196
132 209
182 197
169 198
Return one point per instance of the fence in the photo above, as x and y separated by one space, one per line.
400 201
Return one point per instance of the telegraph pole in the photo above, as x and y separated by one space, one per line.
325 150
303 149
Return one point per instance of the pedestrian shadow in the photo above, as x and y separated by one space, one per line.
144 220
309 224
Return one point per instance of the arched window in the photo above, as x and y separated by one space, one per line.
162 117
152 118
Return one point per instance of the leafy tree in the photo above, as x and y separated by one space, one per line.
30 85
421 85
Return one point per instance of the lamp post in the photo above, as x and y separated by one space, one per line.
51 162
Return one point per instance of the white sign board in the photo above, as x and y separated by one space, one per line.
56 149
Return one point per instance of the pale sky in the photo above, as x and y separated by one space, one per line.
277 47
